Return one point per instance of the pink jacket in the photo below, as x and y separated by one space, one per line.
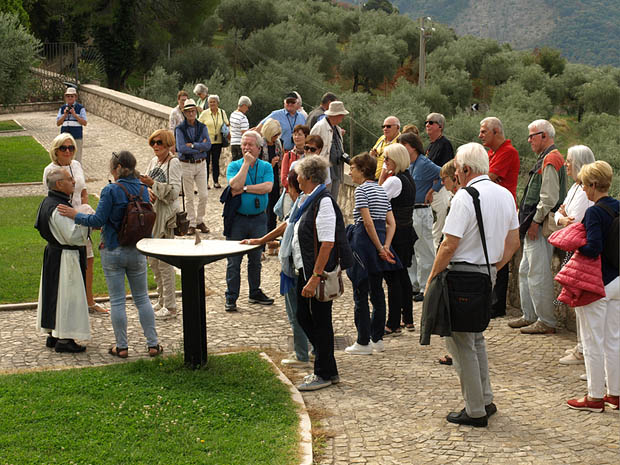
581 278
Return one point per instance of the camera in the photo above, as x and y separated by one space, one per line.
69 108
345 157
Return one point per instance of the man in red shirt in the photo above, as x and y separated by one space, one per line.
504 166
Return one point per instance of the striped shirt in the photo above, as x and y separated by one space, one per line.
238 123
372 196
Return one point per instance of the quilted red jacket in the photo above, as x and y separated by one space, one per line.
581 278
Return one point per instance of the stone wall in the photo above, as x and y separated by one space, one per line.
135 114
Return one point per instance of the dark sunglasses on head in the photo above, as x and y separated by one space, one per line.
309 148
431 122
387 126
64 148
158 142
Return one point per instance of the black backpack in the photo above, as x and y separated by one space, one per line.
611 247
138 220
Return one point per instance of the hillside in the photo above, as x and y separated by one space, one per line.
586 31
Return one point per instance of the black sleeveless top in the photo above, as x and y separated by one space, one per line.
402 205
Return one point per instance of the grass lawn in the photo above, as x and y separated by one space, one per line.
21 252
9 125
22 159
150 412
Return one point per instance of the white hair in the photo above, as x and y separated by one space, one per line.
395 118
474 156
55 175
579 155
244 100
544 126
493 123
258 139
214 97
437 118
201 89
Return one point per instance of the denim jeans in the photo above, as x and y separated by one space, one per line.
369 327
245 227
116 264
300 340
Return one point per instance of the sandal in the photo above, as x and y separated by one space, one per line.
120 353
445 360
96 308
410 327
154 351
392 332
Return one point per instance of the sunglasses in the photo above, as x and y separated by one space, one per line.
156 142
531 136
309 148
64 148
431 123
387 126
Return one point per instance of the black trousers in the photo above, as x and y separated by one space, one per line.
316 320
400 298
213 158
498 302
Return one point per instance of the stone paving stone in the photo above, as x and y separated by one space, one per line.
390 408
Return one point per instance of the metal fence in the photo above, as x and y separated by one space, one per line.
57 69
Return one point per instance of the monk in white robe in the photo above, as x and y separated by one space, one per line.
62 310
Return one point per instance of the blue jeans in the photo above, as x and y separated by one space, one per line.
116 264
245 227
300 340
369 327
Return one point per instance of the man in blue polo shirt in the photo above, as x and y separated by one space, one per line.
425 175
252 179
288 117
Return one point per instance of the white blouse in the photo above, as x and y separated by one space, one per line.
576 203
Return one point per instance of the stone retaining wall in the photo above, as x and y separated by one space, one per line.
30 107
135 114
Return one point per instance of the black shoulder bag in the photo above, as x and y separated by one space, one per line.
469 291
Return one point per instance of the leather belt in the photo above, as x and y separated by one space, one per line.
192 160
421 205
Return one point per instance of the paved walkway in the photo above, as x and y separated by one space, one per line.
390 408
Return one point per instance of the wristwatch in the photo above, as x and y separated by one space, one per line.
192 145
245 188
318 275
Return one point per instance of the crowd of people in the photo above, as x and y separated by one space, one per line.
422 218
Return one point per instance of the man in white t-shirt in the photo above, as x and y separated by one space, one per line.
461 250
238 125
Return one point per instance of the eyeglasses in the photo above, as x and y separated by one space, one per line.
430 123
387 126
64 148
309 148
531 136
156 142
290 102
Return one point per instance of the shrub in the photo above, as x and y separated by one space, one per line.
194 62
161 87
19 52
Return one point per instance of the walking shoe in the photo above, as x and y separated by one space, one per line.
585 404
491 409
573 358
538 328
378 346
359 349
293 361
419 297
165 314
69 345
520 323
157 307
191 231
335 379
572 349
203 228
583 377
230 306
613 402
51 341
260 298
313 383
461 418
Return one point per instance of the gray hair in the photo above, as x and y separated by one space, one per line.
493 123
474 156
579 155
395 119
313 169
258 139
55 175
542 125
201 89
213 97
437 118
243 100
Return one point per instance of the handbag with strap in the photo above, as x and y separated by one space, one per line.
330 285
225 130
182 222
469 292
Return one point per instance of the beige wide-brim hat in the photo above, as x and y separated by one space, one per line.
336 108
189 104
70 91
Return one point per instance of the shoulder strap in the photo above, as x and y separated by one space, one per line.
606 208
476 198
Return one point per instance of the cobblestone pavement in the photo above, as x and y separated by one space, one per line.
390 408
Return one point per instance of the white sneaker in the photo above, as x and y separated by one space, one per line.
378 346
572 349
165 314
157 307
583 377
359 349
293 361
573 358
